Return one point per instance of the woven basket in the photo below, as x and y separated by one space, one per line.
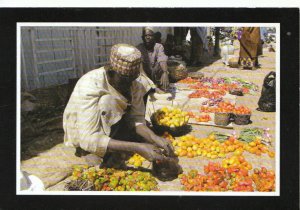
222 118
177 70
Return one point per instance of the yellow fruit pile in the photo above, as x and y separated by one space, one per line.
257 148
136 160
209 147
171 117
236 161
191 146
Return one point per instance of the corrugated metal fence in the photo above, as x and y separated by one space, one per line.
52 55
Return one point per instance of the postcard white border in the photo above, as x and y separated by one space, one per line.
150 4
163 193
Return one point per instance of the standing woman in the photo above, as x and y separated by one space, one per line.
249 44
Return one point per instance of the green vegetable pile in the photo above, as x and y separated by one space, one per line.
97 179
242 82
250 134
221 137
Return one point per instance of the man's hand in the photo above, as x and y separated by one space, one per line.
159 91
150 152
164 144
152 138
164 80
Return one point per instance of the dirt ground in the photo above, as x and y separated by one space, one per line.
44 132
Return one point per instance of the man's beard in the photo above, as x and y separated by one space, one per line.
149 44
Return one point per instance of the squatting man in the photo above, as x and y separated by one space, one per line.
105 114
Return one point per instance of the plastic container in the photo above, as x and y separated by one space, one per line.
222 118
242 119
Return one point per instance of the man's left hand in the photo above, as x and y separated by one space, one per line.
164 80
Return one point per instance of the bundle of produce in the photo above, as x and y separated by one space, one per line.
221 137
264 179
250 134
241 83
98 179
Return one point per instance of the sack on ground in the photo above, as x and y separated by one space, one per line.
267 100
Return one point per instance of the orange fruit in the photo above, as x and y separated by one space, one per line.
271 154
252 144
190 155
258 153
252 150
183 153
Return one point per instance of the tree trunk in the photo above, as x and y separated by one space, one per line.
217 38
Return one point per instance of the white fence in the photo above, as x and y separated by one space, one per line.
52 55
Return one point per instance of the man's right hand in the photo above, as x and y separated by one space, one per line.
150 152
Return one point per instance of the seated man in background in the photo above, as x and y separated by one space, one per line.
154 61
105 113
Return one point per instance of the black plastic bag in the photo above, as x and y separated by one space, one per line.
267 100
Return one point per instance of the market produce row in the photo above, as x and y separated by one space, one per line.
194 102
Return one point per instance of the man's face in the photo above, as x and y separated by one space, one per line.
124 82
148 38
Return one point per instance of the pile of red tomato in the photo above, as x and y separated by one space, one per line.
200 118
264 179
216 86
214 180
233 178
188 80
207 94
242 110
226 107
